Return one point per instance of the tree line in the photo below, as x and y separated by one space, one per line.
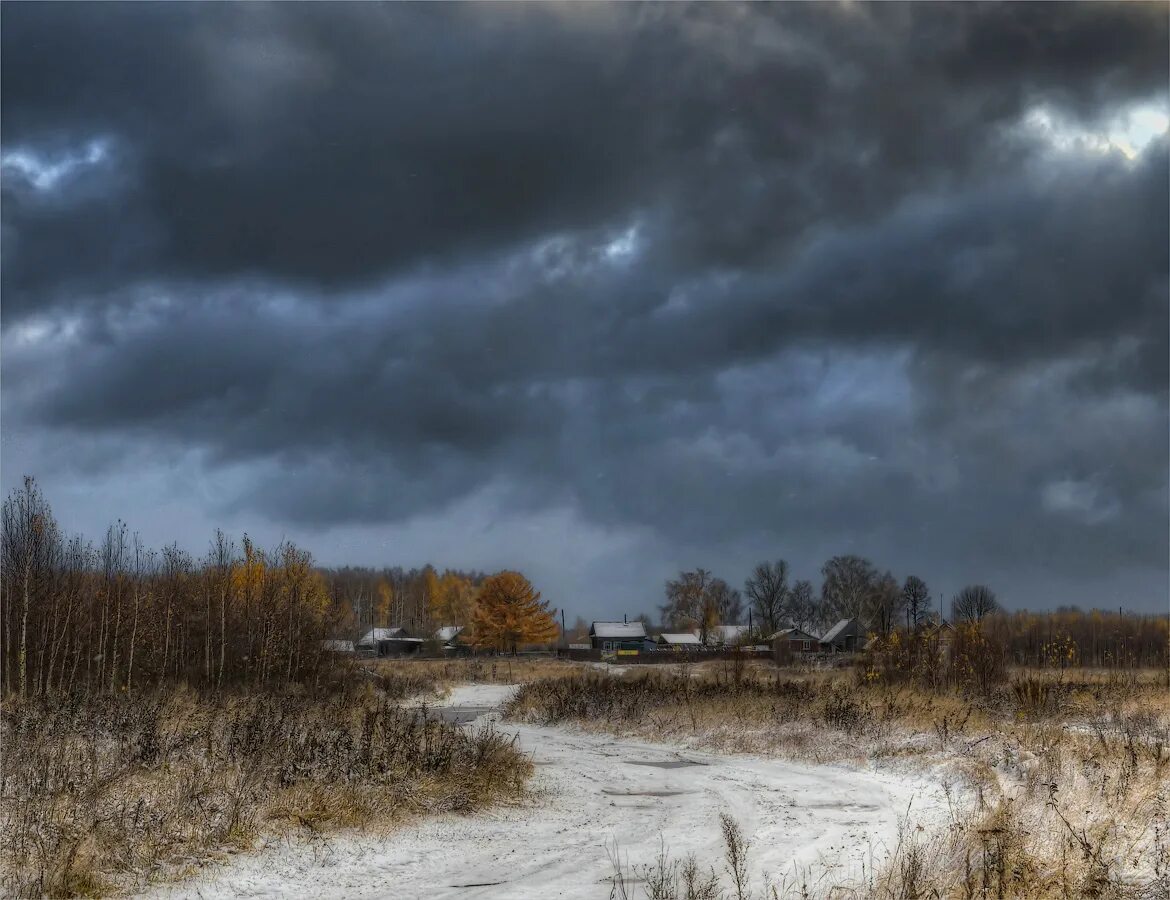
853 587
110 616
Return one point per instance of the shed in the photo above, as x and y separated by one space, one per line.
392 641
847 636
678 641
617 635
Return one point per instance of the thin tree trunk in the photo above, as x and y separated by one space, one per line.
222 628
23 656
207 636
133 638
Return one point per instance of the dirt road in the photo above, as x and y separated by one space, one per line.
595 791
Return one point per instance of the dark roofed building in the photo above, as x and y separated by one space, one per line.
393 641
847 636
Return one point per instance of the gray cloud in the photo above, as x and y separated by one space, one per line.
728 279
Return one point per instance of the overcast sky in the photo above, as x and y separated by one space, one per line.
599 292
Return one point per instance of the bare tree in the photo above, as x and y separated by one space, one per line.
686 600
916 600
803 606
767 591
975 602
848 587
725 602
885 603
31 544
698 600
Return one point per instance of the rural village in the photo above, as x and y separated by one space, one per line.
585 450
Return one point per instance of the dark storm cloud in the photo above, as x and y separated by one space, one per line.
832 275
335 144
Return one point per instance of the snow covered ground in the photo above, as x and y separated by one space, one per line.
594 790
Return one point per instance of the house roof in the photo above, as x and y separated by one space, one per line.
387 634
794 634
630 630
683 638
448 632
837 630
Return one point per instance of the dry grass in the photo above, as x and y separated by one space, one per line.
103 794
477 670
1064 776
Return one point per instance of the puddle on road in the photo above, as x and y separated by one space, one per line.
665 763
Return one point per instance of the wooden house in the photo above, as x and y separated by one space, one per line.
392 641
617 636
847 636
793 640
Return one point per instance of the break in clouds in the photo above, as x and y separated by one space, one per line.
600 291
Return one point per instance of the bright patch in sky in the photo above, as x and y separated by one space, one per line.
623 247
1083 500
44 173
1130 132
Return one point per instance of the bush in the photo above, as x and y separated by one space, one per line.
103 792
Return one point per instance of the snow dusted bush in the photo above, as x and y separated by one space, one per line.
103 792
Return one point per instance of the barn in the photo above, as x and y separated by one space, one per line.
617 635
681 641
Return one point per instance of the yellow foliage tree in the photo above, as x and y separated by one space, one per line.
510 612
385 598
452 600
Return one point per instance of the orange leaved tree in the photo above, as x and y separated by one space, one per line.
510 612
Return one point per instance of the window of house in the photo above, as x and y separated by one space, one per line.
608 645
807 645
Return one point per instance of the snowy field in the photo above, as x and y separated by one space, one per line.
593 790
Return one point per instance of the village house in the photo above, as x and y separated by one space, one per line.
847 636
793 640
393 641
683 641
617 635
451 640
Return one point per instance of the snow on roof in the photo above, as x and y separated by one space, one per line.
794 633
618 630
386 634
448 632
836 630
684 638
